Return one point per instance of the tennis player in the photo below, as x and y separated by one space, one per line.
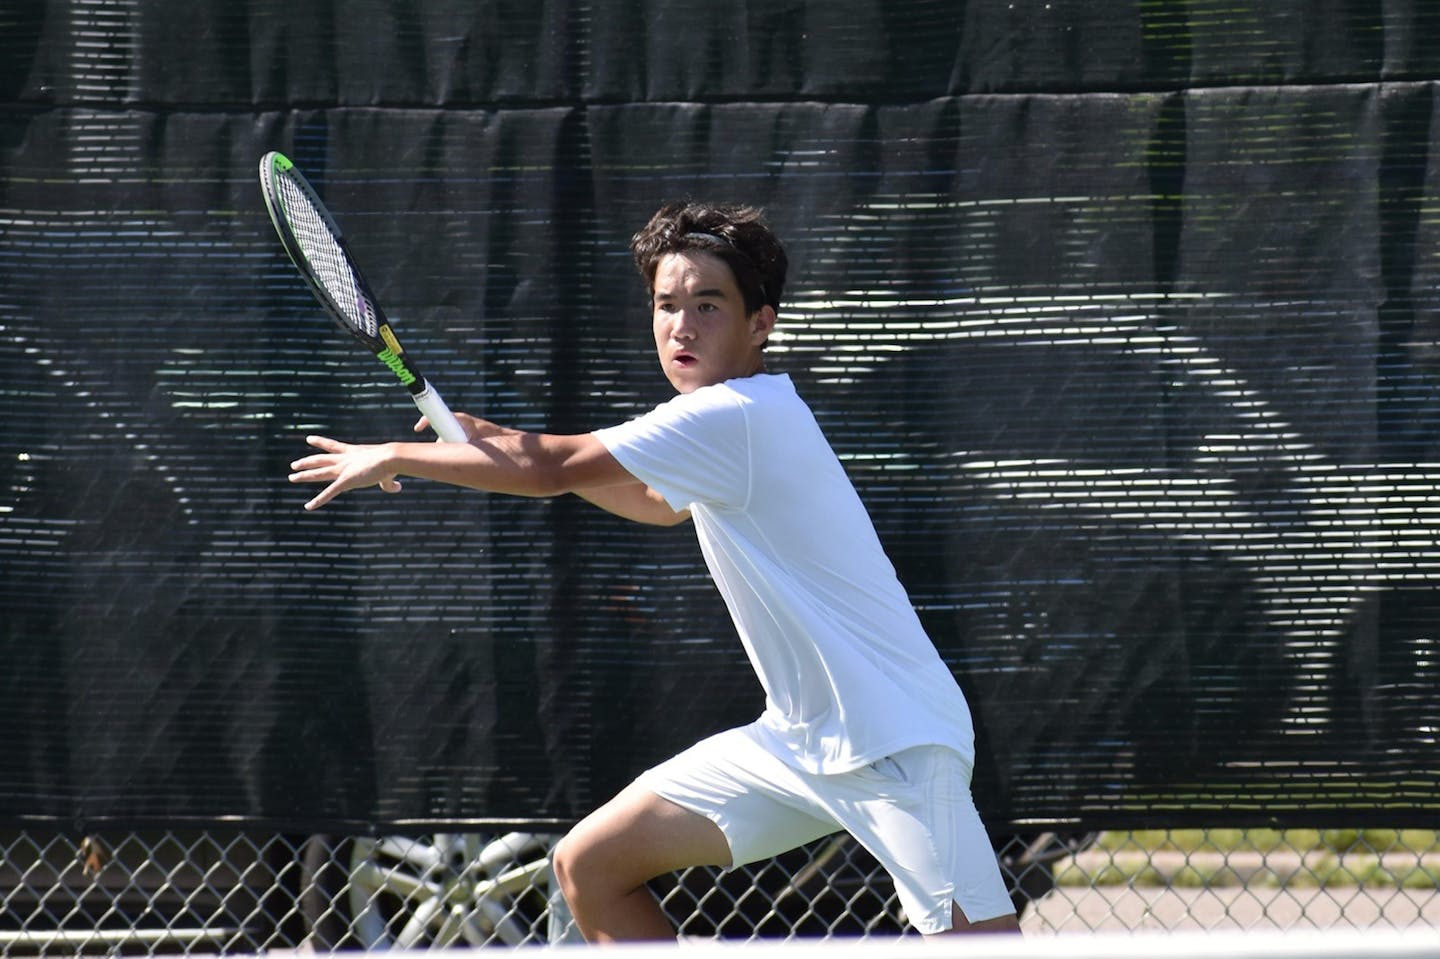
864 728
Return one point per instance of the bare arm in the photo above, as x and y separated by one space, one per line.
634 501
496 459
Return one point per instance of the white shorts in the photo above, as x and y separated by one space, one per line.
912 811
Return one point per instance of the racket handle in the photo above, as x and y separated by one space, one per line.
442 421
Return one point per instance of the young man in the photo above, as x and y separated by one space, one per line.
864 727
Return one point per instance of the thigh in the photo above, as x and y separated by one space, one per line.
760 804
639 835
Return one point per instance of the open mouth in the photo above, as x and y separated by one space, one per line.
684 360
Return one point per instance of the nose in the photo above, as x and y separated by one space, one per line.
682 326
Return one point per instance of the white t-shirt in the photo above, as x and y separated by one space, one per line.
849 674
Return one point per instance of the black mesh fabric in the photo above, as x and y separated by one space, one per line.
1122 316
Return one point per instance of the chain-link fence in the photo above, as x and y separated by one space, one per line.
212 892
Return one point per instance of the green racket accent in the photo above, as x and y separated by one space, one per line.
313 240
397 366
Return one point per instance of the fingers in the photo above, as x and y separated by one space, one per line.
471 424
334 488
334 449
327 444
391 485
341 485
323 497
308 469
342 467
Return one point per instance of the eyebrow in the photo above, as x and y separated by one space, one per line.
715 293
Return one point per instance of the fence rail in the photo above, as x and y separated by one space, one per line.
210 892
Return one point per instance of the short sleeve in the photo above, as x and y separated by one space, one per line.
693 449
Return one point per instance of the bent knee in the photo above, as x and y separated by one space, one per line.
563 865
580 864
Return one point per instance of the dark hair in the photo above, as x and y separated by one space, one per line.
738 235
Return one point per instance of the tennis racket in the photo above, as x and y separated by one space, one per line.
319 251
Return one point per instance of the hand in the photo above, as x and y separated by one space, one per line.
475 427
344 466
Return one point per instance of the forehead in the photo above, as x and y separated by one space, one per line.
689 273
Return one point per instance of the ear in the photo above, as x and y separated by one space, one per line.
762 324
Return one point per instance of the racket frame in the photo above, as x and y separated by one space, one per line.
383 343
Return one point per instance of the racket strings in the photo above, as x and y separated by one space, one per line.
328 262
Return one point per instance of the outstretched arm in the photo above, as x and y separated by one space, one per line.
636 501
496 459
633 500
528 464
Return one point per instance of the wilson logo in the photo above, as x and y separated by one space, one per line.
397 366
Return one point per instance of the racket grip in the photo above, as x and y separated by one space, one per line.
442 421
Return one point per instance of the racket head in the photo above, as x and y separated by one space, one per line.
316 246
